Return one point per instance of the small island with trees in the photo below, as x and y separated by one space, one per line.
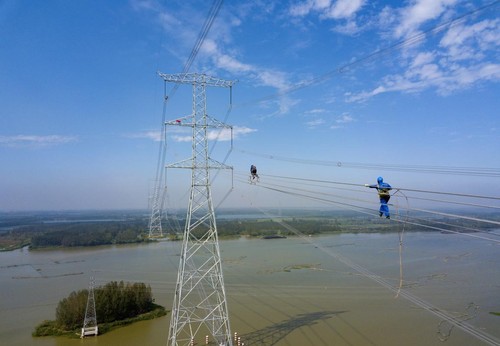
117 304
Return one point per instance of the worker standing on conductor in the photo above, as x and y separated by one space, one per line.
383 192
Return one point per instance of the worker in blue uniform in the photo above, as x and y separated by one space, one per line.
383 192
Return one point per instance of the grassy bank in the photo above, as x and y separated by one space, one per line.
50 328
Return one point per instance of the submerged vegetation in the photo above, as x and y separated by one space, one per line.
116 304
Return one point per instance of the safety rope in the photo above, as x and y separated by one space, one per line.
400 236
457 322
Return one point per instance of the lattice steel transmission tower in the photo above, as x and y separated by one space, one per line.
159 190
90 320
155 226
200 305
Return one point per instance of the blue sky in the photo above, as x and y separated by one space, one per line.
352 82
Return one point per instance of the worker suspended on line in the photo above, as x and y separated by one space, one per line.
383 192
253 171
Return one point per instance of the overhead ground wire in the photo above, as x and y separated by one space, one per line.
459 323
158 195
395 188
313 195
330 182
401 44
457 203
470 171
458 216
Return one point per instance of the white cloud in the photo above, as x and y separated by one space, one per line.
304 8
333 10
344 119
178 138
422 58
466 55
209 47
240 131
232 65
341 121
463 42
316 111
263 76
466 77
344 8
364 95
215 49
153 135
419 12
183 134
35 141
223 134
423 67
432 76
315 123
349 28
144 5
402 83
340 9
275 79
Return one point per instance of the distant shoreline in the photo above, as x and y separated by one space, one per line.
56 230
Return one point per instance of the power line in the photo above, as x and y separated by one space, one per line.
454 226
456 203
394 188
404 43
212 14
458 216
470 171
322 193
459 323
160 185
202 35
301 193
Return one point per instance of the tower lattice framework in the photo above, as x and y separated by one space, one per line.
90 320
155 225
159 190
200 305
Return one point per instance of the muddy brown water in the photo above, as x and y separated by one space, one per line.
292 291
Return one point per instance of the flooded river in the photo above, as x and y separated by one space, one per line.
327 290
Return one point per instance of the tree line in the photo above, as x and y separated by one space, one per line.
264 227
87 233
135 229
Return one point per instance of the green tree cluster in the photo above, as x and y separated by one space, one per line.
113 301
263 227
86 234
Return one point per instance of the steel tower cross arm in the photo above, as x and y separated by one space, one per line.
196 78
191 164
186 121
